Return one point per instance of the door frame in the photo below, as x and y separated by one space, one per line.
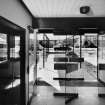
8 27
84 30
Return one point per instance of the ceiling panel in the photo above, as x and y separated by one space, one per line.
65 8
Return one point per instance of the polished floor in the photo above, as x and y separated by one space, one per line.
87 96
88 93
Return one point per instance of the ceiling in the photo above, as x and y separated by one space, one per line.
65 8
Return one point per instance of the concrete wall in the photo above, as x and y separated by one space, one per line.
14 11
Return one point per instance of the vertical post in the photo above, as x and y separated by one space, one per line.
73 43
8 47
102 47
35 53
80 48
48 46
23 86
43 50
66 63
97 53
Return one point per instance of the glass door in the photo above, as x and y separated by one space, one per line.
74 56
73 70
12 64
89 53
66 63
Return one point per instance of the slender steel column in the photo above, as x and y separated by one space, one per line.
97 53
73 43
80 48
43 51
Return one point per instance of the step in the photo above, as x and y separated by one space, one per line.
66 66
76 59
61 59
101 66
62 48
68 59
66 94
101 94
68 79
57 52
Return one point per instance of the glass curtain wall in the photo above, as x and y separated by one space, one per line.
54 62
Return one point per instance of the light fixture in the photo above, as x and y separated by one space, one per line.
31 30
84 9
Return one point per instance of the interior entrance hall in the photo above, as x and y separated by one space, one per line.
52 52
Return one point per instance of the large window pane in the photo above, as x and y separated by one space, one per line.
3 47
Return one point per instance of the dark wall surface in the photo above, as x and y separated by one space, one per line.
70 25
